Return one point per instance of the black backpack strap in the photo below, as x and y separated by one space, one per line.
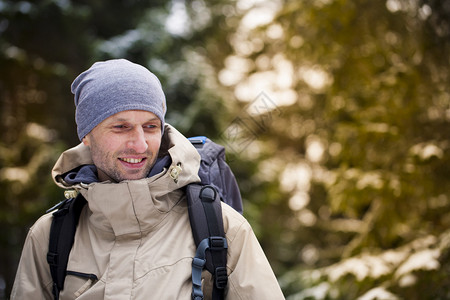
205 215
62 234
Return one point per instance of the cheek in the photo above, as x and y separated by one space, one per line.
104 146
154 143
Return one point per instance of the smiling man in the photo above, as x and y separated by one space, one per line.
133 239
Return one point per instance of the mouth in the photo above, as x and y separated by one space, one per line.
132 160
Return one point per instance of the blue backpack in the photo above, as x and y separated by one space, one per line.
218 184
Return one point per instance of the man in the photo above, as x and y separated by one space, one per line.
133 239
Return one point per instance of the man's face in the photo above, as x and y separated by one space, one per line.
125 145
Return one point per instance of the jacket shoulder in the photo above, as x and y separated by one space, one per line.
233 222
247 264
40 231
33 280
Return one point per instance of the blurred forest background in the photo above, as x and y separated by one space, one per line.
335 114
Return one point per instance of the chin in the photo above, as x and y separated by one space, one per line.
134 177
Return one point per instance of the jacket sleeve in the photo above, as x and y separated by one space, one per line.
251 276
33 279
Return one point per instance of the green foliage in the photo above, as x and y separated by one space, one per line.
335 116
367 90
361 148
26 189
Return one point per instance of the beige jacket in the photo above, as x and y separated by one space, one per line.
136 238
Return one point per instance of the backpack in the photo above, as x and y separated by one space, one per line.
217 184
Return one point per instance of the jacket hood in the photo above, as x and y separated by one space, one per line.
185 163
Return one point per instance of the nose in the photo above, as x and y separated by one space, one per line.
137 140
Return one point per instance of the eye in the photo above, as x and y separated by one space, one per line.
120 127
151 126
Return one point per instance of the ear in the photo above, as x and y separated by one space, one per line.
86 141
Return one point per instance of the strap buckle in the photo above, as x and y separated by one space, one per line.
221 277
217 243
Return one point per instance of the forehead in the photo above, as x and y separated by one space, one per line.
133 116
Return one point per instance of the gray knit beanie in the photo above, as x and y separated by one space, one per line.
113 86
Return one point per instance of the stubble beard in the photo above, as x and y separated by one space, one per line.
109 168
